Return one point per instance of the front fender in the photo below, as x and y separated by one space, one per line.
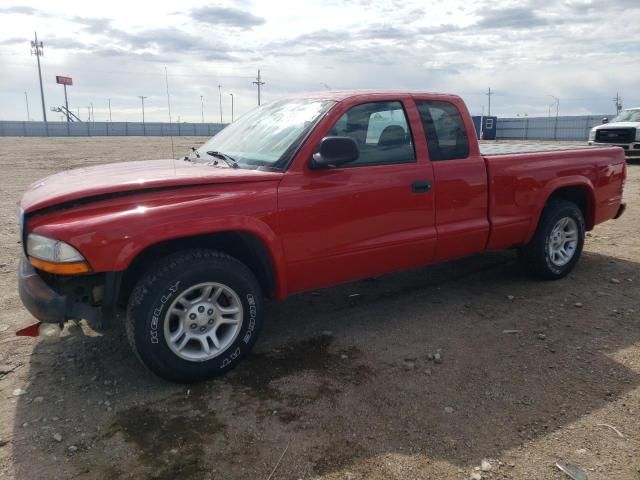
110 234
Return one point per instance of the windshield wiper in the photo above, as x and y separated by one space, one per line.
193 150
232 162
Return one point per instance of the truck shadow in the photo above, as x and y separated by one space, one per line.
345 375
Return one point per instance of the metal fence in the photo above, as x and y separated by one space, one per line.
547 128
10 128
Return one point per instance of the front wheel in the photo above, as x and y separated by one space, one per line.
194 315
557 244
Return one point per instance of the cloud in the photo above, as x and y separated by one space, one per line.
94 24
511 17
229 16
19 11
14 41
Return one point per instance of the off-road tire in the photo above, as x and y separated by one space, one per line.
536 257
165 281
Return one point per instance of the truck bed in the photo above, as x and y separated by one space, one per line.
509 148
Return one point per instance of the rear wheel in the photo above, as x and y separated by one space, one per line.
557 244
194 315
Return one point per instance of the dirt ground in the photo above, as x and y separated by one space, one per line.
342 384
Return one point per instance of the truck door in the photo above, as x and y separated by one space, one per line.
460 180
365 218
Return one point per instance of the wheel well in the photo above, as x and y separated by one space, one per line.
245 247
581 197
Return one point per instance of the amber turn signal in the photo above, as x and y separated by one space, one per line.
70 268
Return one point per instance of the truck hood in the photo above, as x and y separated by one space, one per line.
82 183
618 125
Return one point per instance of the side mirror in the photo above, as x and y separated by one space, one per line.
335 151
605 120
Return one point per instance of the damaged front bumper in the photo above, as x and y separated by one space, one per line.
50 304
41 300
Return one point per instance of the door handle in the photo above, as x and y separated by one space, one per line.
421 186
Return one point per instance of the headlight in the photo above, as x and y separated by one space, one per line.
637 134
592 135
55 256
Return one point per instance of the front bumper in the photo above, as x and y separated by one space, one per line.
630 149
41 301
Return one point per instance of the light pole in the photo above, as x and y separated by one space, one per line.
220 95
231 107
93 117
202 108
37 50
144 128
109 100
26 101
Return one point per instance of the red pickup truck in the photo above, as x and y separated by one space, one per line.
296 195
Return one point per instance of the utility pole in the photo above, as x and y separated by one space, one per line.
109 100
489 93
93 117
259 84
144 128
202 108
220 95
231 107
26 101
618 102
37 49
555 125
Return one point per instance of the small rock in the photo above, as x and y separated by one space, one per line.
430 356
408 365
581 451
25 424
327 333
475 476
18 391
57 437
542 336
344 357
38 399
485 465
55 419
578 305
427 371
629 279
448 409
615 280
353 295
437 358
511 297
72 448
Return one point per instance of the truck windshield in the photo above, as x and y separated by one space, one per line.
628 116
267 135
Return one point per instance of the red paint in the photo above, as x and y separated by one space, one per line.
324 227
30 331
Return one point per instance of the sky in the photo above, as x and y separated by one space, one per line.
528 52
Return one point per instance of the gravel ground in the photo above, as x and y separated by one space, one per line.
418 375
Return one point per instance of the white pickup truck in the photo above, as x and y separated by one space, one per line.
623 131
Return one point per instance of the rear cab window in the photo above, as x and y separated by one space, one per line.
381 131
445 130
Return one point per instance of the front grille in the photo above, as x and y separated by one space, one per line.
615 135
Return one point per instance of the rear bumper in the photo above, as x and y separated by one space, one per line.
41 301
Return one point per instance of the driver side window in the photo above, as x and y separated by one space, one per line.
381 131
